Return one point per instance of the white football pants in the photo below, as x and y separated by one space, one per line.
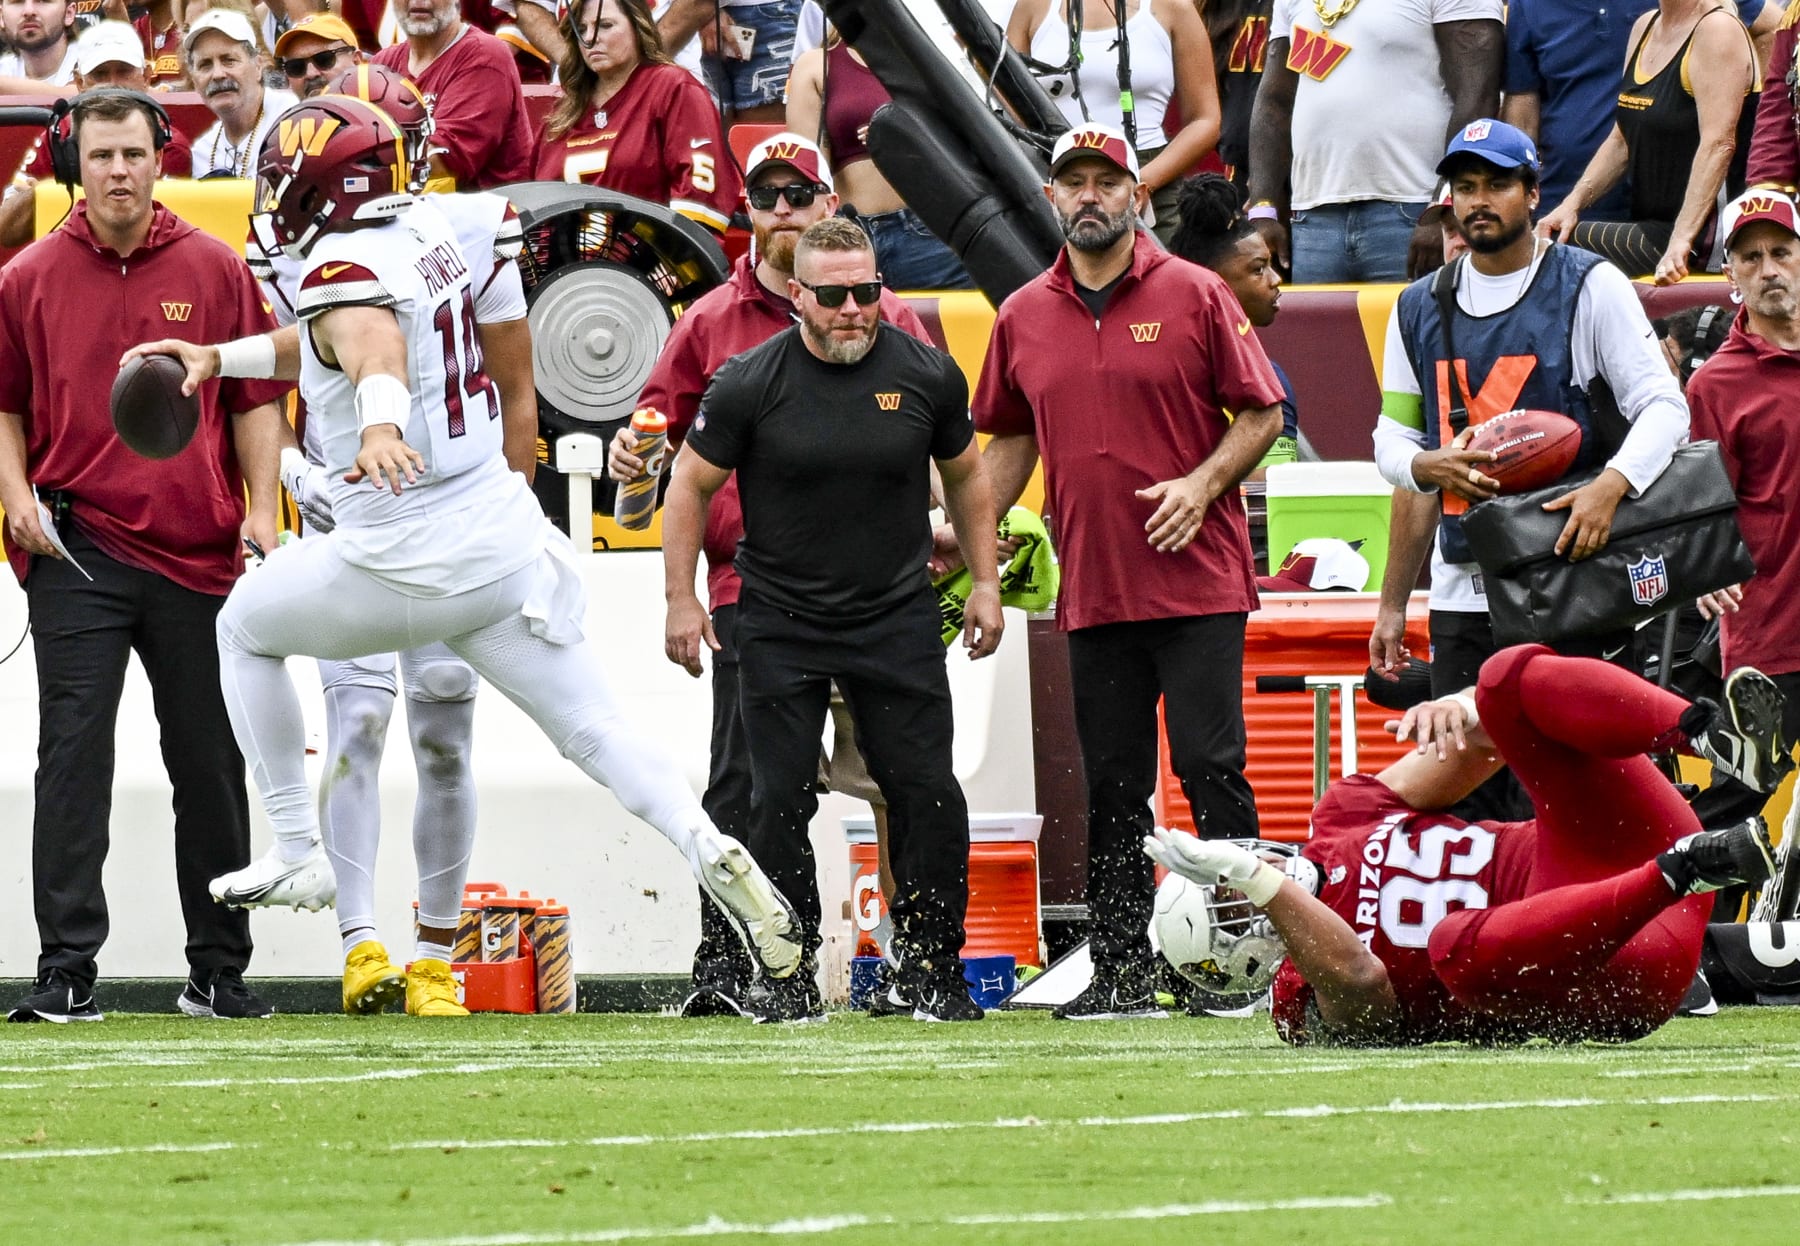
307 600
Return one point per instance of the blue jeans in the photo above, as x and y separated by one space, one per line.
910 256
1342 242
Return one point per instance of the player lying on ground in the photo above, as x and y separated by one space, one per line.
1585 923
436 540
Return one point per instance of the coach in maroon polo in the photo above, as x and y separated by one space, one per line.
1123 367
158 543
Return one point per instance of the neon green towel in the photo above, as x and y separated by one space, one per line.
1028 582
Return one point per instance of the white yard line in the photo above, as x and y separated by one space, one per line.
1694 1196
93 1152
813 1226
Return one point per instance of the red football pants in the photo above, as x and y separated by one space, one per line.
1598 947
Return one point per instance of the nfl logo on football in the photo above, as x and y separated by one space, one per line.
1649 580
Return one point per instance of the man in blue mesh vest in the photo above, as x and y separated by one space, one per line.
1533 324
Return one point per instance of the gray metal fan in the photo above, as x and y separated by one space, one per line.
605 276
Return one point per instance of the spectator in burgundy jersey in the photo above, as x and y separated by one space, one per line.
41 35
160 29
314 51
160 544
482 136
630 119
110 54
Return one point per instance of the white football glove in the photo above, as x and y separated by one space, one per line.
311 489
1214 863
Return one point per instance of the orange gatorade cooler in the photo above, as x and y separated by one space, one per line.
506 986
554 949
1003 915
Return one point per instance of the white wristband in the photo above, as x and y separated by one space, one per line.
1471 718
249 357
1262 885
1262 212
382 399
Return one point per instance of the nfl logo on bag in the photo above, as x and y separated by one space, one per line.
1649 580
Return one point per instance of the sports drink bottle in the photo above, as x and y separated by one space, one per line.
634 504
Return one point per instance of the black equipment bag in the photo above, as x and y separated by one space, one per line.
1676 542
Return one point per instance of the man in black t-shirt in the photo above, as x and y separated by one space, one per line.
831 427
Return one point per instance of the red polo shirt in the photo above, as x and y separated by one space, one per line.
477 108
178 517
1743 398
1774 152
1118 404
728 321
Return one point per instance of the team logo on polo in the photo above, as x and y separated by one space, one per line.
1146 331
177 311
1649 580
888 402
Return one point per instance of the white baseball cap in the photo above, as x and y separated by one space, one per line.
105 42
228 22
1093 139
1317 564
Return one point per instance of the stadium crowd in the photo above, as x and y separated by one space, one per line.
1539 155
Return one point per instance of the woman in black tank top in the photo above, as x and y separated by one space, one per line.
1681 133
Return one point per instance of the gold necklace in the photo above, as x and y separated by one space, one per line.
1331 14
240 156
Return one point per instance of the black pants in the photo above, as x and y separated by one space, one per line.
891 671
1118 672
83 635
721 960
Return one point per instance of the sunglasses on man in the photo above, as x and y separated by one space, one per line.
798 195
866 293
295 66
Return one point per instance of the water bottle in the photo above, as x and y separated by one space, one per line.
634 503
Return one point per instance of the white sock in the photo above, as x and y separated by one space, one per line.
356 935
431 951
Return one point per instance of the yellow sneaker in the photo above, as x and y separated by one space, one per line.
371 982
431 991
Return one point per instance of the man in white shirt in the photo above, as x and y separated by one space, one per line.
1355 105
220 50
42 35
1536 325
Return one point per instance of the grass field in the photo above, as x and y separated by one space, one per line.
1020 1129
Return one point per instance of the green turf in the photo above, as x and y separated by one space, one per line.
1020 1129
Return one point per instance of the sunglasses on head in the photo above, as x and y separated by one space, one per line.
866 293
295 66
798 195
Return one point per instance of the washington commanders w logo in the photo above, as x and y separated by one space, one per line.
1248 48
888 402
177 311
1146 332
1314 54
1089 138
1755 204
307 135
782 151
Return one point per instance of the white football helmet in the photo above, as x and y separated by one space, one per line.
1216 938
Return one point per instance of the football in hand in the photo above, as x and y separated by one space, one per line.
149 411
1532 448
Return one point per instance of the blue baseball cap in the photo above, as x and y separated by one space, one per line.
1505 146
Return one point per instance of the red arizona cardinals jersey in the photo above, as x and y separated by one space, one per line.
1394 873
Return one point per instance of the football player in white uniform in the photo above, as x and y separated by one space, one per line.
440 687
435 539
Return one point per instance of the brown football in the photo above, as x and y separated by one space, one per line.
149 411
1535 448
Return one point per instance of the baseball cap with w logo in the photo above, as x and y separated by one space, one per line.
801 155
1761 204
1093 139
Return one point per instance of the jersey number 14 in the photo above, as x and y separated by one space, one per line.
463 373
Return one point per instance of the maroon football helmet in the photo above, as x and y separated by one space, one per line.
396 96
331 162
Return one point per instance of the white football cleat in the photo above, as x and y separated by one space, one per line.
270 882
726 871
